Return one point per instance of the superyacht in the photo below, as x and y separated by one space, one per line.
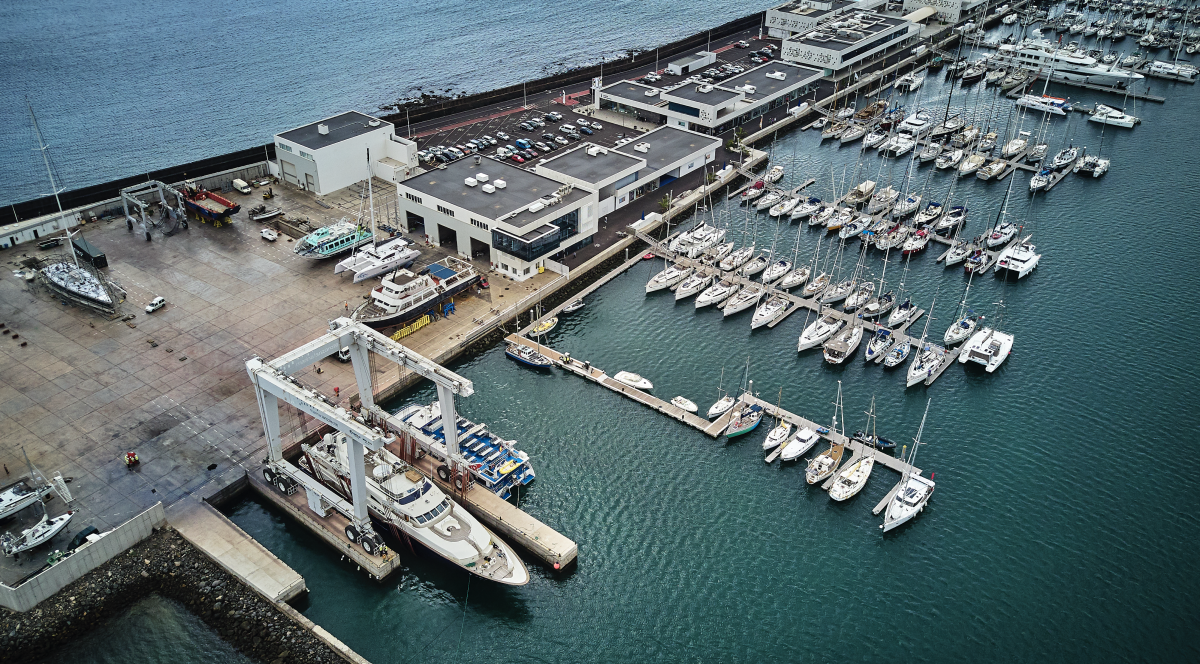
1040 55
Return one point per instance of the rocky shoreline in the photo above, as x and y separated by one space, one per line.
167 564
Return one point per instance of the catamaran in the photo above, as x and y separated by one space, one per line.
1019 259
989 347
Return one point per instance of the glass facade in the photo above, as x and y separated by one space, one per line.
568 225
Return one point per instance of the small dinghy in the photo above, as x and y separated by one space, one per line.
574 306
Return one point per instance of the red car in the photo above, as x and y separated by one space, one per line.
518 158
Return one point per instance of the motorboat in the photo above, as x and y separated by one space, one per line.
930 152
777 436
902 313
783 207
882 200
40 533
843 344
744 299
803 441
744 420
838 292
860 296
374 260
774 174
1041 56
776 270
912 494
949 159
755 266
1044 103
1064 158
721 407
21 494
910 82
402 498
917 124
669 277
527 356
768 201
880 343
861 194
954 218
907 206
717 293
332 240
695 283
403 297
971 164
929 359
795 278
816 286
819 331
878 306
1020 258
805 209
989 347
633 380
916 242
769 310
573 306
1002 234
685 404
736 258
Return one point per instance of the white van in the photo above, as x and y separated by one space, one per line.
241 186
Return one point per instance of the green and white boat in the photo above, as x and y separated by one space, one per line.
333 240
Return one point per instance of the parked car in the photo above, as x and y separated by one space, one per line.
582 122
155 304
548 136
554 116
742 44
523 143
517 158
561 140
542 146
587 130
597 126
489 139
503 152
526 126
537 122
502 136
269 234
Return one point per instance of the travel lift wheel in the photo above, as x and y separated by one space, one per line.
368 540
443 472
352 533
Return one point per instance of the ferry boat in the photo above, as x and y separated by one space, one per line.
402 296
494 461
333 240
403 499
1040 55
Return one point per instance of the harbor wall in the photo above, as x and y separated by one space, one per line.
32 591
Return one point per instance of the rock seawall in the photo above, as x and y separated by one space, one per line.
167 564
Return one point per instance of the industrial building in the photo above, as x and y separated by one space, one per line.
325 156
712 108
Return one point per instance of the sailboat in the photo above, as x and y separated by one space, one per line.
42 531
779 434
668 277
725 401
929 356
820 330
843 345
826 463
964 324
854 477
913 492
695 283
717 293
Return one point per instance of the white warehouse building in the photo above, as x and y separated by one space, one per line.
846 40
325 156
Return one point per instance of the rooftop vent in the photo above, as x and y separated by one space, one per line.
642 147
482 177
323 129
373 122
748 89
500 184
488 189
536 206
777 75
471 182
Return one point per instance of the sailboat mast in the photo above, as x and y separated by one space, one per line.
917 441
42 147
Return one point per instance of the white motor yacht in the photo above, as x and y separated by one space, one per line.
717 293
989 347
633 380
1020 258
800 443
401 497
819 330
668 277
769 310
1043 56
402 297
695 283
685 404
744 299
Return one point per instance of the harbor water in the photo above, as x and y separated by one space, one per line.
1061 526
128 89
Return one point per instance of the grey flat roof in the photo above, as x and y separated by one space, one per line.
341 127
577 164
765 87
668 145
714 97
523 187
689 59
802 8
835 43
631 91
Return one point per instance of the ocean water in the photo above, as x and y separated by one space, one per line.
1062 527
126 88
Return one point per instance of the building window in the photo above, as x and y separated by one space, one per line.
685 110
445 210
479 224
411 197
526 270
283 146
306 155
504 266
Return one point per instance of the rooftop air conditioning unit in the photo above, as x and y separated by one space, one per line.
642 147
471 182
704 88
592 151
488 189
536 206
482 177
500 184
373 122
323 129
777 75
748 89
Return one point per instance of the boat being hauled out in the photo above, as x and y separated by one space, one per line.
403 297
